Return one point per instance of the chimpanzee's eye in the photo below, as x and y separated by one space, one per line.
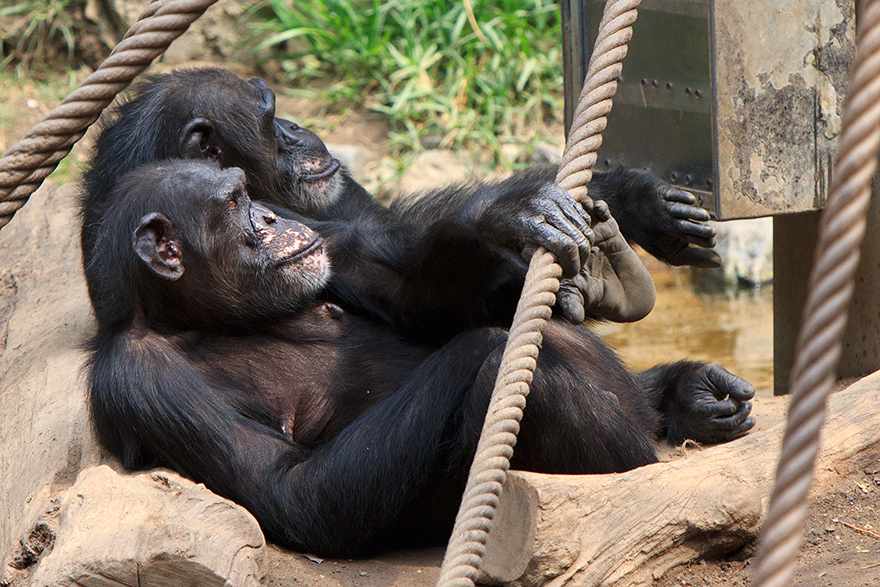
236 198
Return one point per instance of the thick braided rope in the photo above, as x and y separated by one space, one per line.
831 285
594 103
495 448
28 162
466 547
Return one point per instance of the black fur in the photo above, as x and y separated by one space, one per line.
373 246
387 371
384 426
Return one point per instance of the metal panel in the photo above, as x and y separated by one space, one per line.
738 101
781 71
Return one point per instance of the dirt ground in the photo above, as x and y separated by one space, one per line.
842 545
842 540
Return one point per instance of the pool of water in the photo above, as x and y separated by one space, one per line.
732 327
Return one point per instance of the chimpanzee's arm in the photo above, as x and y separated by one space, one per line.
438 282
520 212
450 259
152 408
662 219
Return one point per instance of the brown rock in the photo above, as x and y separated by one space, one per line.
148 529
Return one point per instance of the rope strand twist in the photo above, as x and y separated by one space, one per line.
29 161
841 232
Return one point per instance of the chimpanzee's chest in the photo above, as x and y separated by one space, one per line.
313 373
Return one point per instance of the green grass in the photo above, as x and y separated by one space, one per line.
16 89
440 81
32 26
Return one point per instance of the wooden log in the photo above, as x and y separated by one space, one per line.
628 529
151 529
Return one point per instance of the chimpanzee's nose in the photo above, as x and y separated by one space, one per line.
293 135
261 216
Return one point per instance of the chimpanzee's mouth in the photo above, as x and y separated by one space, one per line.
316 246
331 168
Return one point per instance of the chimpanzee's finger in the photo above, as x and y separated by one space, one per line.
674 195
686 212
730 384
601 212
702 231
566 249
738 417
575 215
571 302
695 257
580 235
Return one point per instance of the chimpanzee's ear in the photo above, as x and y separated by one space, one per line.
199 140
154 243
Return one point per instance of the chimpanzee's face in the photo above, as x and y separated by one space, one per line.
284 163
225 253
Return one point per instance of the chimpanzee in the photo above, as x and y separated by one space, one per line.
212 114
217 355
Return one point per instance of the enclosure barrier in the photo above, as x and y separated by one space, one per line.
27 163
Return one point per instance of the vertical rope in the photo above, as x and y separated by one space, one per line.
467 544
841 232
594 103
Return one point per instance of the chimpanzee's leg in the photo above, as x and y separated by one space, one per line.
584 413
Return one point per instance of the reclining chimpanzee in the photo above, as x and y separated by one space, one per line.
219 356
212 114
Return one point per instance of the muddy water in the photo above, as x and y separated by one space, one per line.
733 328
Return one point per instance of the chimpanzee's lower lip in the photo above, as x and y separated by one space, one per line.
332 168
316 246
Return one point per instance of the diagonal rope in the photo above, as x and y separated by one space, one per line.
29 161
841 233
466 547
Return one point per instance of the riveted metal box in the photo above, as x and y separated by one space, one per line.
738 101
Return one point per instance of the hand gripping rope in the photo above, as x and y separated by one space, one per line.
495 448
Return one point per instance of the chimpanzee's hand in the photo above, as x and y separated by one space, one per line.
710 405
550 218
687 219
662 219
614 283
